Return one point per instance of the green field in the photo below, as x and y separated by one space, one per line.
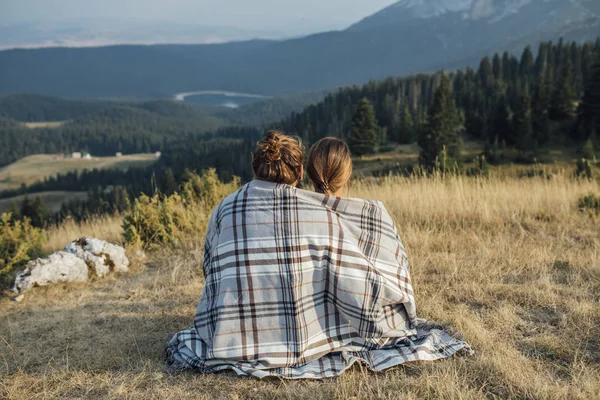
35 168
53 200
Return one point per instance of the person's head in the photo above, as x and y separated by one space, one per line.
278 158
329 166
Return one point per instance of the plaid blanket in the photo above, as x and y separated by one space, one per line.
302 285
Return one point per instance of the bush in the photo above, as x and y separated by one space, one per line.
584 169
590 203
19 243
170 220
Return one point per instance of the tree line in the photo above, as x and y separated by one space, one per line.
524 103
489 100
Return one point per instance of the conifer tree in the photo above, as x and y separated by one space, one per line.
562 104
497 68
499 121
522 125
539 113
588 151
363 135
485 72
527 62
406 128
168 184
440 138
589 109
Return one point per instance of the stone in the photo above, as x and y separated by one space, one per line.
58 267
101 257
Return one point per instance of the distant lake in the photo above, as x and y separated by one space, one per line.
219 98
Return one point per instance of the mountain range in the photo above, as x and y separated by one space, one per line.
409 36
95 32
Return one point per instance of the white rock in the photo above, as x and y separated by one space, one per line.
58 267
101 256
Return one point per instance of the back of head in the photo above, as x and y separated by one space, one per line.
329 165
278 158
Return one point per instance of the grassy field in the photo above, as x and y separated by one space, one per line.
512 263
34 168
47 124
52 200
406 156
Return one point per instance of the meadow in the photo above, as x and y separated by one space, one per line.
510 262
52 199
35 168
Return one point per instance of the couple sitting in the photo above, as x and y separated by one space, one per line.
302 284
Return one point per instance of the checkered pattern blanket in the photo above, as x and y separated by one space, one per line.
302 285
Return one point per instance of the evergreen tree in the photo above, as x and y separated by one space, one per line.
35 210
527 62
14 211
562 104
588 151
363 135
499 121
522 124
497 68
485 72
440 141
406 129
589 109
539 112
168 184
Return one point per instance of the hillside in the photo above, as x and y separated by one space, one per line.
486 258
31 124
37 108
31 169
398 40
52 200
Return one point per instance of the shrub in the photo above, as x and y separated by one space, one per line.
584 169
170 220
589 203
481 167
19 243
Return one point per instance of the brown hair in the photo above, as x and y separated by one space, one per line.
278 158
329 165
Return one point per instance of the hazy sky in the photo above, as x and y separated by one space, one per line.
253 14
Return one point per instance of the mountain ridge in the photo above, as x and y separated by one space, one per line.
381 45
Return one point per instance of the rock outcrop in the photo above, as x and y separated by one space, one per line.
58 267
81 260
101 257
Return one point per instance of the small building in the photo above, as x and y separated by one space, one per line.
118 154
76 155
87 156
157 154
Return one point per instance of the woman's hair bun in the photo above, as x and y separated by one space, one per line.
278 158
272 147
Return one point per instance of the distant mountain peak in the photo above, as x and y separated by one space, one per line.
432 8
491 11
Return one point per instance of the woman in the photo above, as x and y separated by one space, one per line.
329 166
302 284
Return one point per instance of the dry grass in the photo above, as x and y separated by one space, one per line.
511 263
105 227
35 168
